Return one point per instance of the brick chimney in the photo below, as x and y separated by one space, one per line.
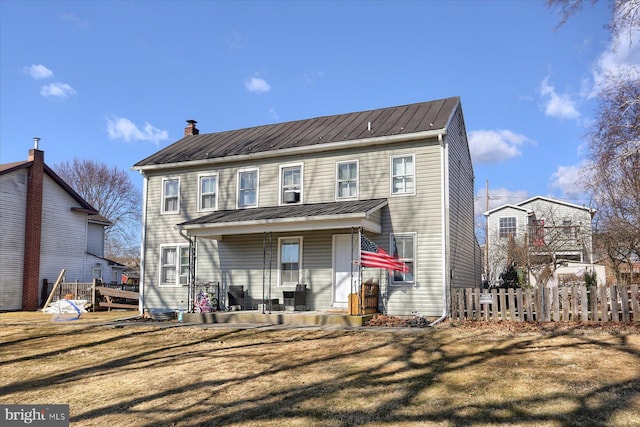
191 128
33 230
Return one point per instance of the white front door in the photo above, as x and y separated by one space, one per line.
342 265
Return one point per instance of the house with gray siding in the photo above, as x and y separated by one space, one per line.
46 226
555 230
271 207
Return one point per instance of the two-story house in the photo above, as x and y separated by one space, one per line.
274 206
46 226
539 231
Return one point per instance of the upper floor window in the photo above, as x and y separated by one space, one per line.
170 195
174 265
347 180
290 254
248 188
403 174
404 249
291 184
208 191
507 226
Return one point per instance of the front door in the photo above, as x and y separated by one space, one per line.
343 251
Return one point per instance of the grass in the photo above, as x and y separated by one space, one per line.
151 374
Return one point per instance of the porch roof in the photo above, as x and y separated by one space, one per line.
287 218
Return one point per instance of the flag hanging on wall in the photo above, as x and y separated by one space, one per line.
374 256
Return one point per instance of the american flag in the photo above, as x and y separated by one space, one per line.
374 256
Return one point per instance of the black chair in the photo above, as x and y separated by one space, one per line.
295 299
236 296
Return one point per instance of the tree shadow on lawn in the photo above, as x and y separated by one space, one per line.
317 402
409 384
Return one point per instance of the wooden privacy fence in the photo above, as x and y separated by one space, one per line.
578 303
98 294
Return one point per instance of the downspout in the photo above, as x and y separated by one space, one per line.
143 243
192 271
445 274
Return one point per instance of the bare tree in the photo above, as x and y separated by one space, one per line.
612 175
111 192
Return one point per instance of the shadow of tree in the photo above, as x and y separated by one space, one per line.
342 377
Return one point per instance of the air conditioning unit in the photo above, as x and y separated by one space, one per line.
291 196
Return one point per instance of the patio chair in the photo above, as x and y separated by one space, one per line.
236 296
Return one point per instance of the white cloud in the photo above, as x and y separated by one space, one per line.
57 90
274 113
257 85
498 197
75 20
123 128
38 71
567 180
312 77
557 105
495 146
236 41
621 56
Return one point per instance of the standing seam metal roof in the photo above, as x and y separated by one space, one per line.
404 119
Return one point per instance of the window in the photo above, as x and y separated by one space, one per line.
96 273
174 265
290 252
248 188
208 190
116 277
291 184
403 175
347 180
507 226
404 248
170 195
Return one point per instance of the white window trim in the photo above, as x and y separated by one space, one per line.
257 187
515 233
415 173
177 246
357 196
291 165
415 257
280 239
215 204
162 211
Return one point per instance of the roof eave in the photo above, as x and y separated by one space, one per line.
317 148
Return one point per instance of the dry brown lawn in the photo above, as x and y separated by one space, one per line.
152 374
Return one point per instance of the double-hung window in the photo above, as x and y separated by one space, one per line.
347 180
174 265
170 195
291 184
248 188
290 255
403 175
403 247
507 226
207 192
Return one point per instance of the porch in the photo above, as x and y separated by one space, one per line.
285 318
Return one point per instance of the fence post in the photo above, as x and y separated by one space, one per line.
93 294
624 298
519 305
613 292
635 303
584 303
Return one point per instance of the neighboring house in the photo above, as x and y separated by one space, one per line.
546 229
46 226
274 206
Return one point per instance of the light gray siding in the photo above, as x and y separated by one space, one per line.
64 236
463 249
95 239
13 202
239 259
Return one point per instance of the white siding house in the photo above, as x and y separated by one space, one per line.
45 226
274 206
546 227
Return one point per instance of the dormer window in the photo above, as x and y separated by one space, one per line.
291 184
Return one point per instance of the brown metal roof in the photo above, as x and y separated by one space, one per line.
288 212
400 120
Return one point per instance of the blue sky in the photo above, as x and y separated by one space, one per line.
116 80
